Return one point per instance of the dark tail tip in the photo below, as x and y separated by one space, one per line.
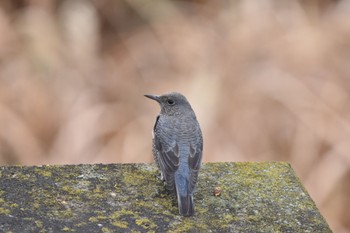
186 205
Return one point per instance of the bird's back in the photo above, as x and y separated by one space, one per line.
184 134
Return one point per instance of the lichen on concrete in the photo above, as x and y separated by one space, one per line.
253 197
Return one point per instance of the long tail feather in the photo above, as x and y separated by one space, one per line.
186 205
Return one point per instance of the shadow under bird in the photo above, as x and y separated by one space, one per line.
177 147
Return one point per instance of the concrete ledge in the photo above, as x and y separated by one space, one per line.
254 197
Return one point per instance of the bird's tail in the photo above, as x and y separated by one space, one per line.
186 206
184 197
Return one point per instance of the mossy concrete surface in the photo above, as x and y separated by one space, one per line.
249 197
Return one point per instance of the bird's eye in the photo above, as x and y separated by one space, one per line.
170 102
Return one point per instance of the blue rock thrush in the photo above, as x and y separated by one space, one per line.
177 147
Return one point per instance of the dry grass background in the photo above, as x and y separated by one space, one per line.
269 80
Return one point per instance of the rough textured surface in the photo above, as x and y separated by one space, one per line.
255 197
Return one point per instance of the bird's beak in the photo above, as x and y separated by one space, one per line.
153 97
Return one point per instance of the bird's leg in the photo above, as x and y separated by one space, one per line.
161 176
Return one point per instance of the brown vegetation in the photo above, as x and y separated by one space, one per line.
269 80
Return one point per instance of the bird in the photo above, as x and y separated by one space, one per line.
177 148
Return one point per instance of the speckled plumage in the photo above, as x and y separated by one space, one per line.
177 147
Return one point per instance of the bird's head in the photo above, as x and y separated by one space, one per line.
172 103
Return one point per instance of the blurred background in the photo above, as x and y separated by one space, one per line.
269 81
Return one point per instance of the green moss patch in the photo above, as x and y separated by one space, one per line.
249 197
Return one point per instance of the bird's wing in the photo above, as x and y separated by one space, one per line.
168 161
168 156
194 161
